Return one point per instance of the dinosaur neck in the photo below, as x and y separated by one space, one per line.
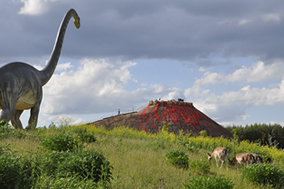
48 71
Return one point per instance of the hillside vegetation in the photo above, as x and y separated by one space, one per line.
85 156
265 134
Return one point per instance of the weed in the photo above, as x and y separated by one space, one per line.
200 166
9 171
85 164
203 133
266 174
87 137
47 182
192 148
212 182
61 142
178 158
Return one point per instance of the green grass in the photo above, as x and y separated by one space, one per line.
139 160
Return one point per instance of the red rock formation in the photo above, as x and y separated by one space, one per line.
181 115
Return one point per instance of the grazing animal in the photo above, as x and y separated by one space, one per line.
21 84
242 158
220 154
257 159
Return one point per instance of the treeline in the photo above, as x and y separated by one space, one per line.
265 134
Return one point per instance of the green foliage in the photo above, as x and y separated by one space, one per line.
159 144
205 182
178 158
9 171
192 148
139 159
47 182
84 164
203 133
265 134
182 139
266 174
87 137
16 171
5 129
61 142
200 166
166 126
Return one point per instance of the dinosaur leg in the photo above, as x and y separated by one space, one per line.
8 106
34 116
16 122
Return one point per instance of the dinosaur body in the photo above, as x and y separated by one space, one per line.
21 84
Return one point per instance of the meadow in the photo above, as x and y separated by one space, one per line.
85 156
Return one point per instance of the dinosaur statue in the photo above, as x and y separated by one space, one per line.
21 84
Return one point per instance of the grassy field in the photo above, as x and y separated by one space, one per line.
138 159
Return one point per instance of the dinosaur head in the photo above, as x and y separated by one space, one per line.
77 21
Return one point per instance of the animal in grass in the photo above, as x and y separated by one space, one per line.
21 84
257 159
220 154
242 158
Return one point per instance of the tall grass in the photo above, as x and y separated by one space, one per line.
138 159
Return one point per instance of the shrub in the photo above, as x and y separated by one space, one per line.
264 174
191 148
178 158
61 142
212 182
16 171
203 133
9 171
87 137
200 166
5 129
85 164
47 182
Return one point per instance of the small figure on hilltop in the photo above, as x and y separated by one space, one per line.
21 84
180 100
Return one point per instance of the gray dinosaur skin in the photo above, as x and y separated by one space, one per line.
21 84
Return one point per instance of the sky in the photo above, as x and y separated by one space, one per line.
226 57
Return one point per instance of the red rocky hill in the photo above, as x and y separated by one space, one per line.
181 115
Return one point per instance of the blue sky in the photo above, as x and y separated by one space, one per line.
224 56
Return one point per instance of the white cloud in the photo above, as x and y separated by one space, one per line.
231 105
35 7
244 21
64 66
173 95
257 72
97 86
271 17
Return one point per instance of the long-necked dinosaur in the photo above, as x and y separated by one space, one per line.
21 84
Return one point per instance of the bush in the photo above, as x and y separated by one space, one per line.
61 142
264 174
200 166
191 148
5 129
84 164
178 158
9 171
15 171
47 182
212 182
87 137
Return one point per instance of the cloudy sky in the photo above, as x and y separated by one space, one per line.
226 57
